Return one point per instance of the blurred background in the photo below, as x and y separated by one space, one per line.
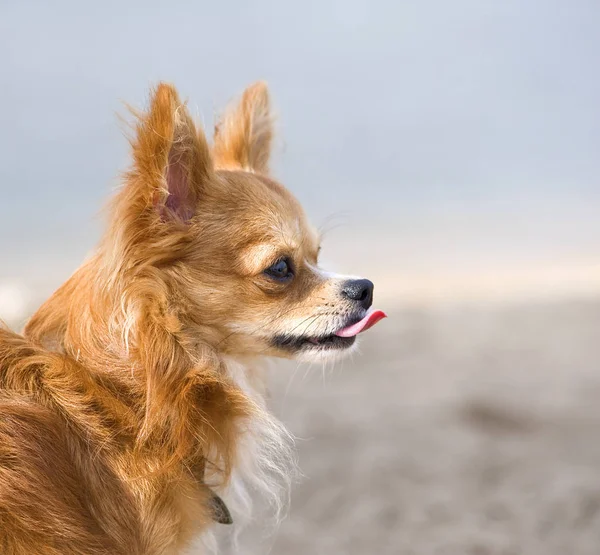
450 152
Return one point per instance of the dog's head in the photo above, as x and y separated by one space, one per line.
232 248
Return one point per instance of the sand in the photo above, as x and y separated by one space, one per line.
457 431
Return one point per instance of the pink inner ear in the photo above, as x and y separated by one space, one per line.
180 199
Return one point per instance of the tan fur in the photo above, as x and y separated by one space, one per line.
243 136
119 410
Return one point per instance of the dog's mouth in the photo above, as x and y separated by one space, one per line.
322 342
343 338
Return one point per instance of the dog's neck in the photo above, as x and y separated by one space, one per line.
127 338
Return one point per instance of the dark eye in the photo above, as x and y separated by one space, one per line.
281 270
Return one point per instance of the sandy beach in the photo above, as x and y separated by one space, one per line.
457 431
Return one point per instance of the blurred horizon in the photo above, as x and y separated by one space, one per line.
452 147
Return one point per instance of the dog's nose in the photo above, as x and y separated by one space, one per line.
360 290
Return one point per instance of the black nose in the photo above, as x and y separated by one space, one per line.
360 290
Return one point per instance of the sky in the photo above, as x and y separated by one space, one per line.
443 143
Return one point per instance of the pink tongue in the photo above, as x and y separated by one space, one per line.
367 322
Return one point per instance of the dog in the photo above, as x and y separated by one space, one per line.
133 407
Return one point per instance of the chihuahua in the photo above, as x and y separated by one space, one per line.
133 408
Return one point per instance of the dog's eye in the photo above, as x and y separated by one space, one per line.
281 270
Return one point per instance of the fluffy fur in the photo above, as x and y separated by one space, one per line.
136 391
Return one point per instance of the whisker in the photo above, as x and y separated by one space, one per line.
274 319
290 333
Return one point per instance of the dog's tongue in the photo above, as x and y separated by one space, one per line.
367 322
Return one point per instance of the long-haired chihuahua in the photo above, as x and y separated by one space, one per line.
132 409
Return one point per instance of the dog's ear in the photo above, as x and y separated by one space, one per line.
244 134
172 160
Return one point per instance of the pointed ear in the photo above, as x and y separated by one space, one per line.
171 159
244 134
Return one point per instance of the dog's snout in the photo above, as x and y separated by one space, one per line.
360 290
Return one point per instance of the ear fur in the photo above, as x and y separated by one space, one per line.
244 134
171 158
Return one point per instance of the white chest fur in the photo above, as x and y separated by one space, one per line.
265 463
